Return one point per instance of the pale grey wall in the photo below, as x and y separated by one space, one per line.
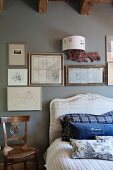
20 22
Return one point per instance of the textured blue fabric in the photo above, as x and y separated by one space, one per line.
90 130
82 118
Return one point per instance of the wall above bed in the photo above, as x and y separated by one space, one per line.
21 23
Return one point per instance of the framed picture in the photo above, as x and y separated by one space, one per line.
17 54
17 77
110 73
109 48
85 75
46 69
24 98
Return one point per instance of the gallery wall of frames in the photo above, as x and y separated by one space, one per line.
29 72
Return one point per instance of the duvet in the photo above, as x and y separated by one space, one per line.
59 158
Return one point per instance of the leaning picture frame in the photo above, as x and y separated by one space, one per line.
46 69
85 75
17 54
109 48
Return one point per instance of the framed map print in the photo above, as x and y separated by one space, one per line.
46 69
85 75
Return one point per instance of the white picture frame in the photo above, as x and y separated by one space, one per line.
24 98
110 73
17 77
17 54
109 48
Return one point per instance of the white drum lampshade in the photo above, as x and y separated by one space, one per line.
73 42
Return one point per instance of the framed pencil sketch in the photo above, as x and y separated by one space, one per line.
17 77
85 75
109 48
17 54
46 69
110 73
24 98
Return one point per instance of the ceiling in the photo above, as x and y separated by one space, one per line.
85 5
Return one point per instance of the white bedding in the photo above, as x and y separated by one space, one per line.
59 158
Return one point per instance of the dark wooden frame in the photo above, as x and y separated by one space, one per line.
46 84
25 49
85 67
14 119
23 139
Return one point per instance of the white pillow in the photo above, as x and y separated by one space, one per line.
92 149
104 138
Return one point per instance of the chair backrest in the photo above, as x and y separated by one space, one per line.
15 130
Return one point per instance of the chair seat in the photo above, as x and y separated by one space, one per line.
20 152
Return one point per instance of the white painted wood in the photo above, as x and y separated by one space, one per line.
88 103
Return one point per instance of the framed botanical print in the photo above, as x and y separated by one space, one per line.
46 69
17 77
85 75
17 54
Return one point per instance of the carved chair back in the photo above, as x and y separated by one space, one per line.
15 130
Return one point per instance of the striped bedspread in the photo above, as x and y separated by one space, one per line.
59 158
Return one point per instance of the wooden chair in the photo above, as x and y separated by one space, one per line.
19 152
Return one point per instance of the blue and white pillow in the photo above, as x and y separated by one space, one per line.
90 130
82 118
110 138
92 149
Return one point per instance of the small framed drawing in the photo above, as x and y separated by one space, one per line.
85 75
24 98
109 48
17 77
17 54
110 73
46 69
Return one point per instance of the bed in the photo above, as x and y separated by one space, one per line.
58 155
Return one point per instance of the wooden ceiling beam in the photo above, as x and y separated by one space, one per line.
103 1
42 6
86 6
1 5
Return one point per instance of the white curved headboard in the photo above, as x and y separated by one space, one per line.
88 103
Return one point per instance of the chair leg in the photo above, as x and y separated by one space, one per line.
5 165
37 161
25 165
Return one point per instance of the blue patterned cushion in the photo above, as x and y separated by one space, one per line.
90 130
92 149
82 118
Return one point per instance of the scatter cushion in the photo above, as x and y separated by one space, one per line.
92 149
104 138
82 118
90 130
